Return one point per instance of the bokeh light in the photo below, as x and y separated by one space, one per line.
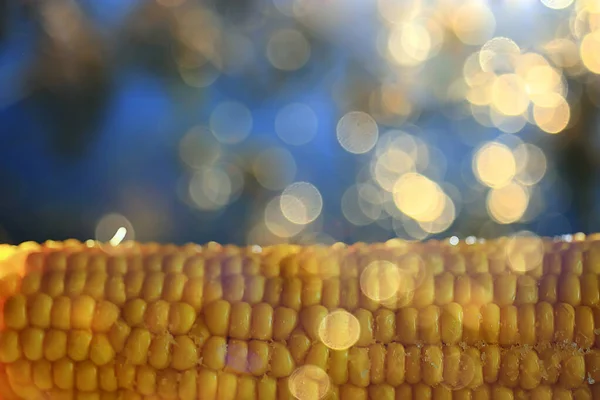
231 122
113 229
210 188
473 22
524 252
270 177
381 280
309 382
276 222
553 117
288 50
296 124
494 165
339 330
508 203
199 147
301 203
419 197
357 132
557 4
589 51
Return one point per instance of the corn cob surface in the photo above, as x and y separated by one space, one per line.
511 318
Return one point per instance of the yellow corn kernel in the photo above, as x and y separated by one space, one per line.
255 289
548 288
530 370
217 316
213 290
156 317
185 355
145 380
214 352
115 289
491 363
181 318
159 354
299 345
406 325
174 286
188 385
61 313
527 290
432 366
193 292
385 325
79 344
284 321
134 311
233 288
54 283
395 364
42 375
105 315
505 289
15 312
444 288
82 312
262 322
107 378
311 318
564 322
237 356
101 351
32 341
10 346
258 357
377 355
281 363
40 307
167 384
207 384
86 377
331 293
509 369
95 284
75 282
63 373
572 371
318 355
490 323
338 366
31 283
359 366
429 324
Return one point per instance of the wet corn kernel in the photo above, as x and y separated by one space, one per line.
175 324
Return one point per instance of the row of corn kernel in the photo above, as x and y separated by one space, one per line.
452 366
445 288
484 392
35 344
432 366
84 312
450 324
441 289
210 385
490 324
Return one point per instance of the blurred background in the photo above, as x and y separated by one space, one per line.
267 121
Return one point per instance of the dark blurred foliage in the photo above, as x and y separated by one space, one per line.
96 126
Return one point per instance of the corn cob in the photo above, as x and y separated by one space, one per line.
504 319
